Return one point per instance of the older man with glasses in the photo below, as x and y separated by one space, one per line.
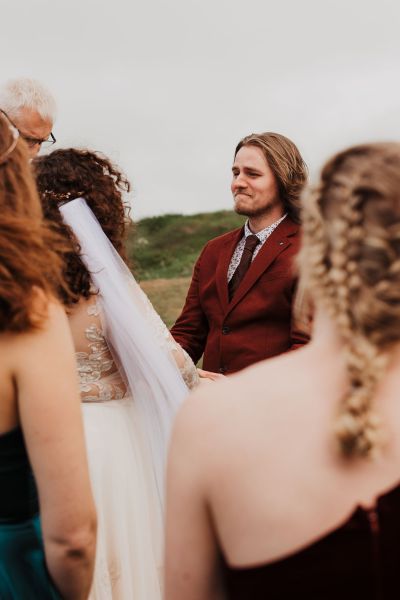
31 109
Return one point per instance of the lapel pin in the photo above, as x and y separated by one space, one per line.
281 243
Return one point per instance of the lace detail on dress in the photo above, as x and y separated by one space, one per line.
185 364
108 574
93 309
188 369
98 375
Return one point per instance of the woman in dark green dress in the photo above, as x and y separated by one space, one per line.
23 572
47 517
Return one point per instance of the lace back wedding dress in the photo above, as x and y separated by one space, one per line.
130 528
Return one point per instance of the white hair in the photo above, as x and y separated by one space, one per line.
24 92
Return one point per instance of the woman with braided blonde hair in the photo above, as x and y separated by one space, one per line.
284 479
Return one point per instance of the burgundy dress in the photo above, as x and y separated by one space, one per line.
358 561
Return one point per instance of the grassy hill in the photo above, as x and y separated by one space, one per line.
167 246
167 296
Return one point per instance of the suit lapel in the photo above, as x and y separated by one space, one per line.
278 241
224 260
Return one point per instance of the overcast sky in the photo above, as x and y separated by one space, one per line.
167 88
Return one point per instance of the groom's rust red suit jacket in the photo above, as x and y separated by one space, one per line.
258 322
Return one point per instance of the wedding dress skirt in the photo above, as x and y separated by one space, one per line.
129 543
124 481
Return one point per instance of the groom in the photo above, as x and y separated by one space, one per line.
239 307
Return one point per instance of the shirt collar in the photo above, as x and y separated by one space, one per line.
264 233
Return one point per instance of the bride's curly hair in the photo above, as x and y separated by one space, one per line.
67 174
351 261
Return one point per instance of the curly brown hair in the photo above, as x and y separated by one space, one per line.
351 262
71 173
286 163
30 253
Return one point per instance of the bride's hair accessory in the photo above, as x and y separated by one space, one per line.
61 197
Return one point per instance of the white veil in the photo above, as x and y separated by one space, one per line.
150 372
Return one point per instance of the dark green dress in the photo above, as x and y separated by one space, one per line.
23 573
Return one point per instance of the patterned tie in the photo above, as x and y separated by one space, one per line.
251 242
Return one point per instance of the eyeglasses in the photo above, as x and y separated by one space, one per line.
15 135
31 141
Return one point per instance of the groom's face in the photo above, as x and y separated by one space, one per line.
254 186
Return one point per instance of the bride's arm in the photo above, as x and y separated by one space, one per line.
182 359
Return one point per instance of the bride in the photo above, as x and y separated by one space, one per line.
132 374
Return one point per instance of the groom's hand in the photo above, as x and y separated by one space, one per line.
210 375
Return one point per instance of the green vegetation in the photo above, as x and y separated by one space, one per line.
168 246
167 296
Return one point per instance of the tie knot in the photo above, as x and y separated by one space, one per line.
251 242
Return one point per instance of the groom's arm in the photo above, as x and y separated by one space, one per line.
302 318
191 327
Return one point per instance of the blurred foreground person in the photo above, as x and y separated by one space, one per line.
40 419
32 110
133 376
295 493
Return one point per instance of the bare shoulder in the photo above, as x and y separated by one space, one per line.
221 409
52 323
203 407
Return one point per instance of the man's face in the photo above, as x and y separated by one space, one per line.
254 186
33 128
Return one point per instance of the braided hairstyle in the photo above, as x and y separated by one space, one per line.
67 174
351 261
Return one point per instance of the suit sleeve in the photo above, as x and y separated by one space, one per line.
191 327
301 323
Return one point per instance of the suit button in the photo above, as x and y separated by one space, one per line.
225 330
222 369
